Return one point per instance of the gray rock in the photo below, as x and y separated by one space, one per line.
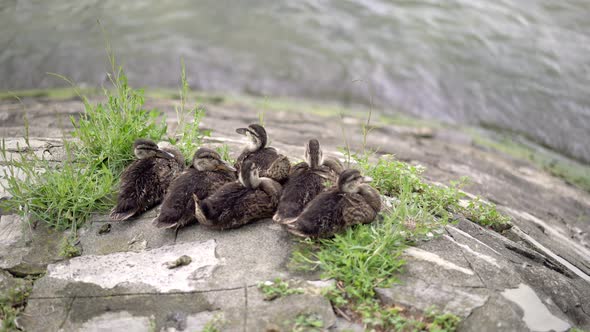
256 252
158 311
342 325
116 321
281 313
7 281
136 235
441 259
417 294
469 262
11 230
144 271
26 249
498 314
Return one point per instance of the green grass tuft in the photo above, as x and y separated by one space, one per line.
12 303
308 323
215 324
188 136
106 132
368 256
225 154
68 248
277 288
65 195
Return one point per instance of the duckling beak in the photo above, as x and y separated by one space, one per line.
226 166
164 154
242 131
367 179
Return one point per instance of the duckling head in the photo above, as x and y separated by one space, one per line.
145 148
313 153
257 135
351 180
209 160
249 175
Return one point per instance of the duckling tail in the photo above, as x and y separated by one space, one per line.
287 211
293 228
199 212
122 215
160 224
286 221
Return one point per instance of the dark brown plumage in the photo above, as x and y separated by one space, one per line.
306 181
238 203
271 164
145 181
207 173
351 202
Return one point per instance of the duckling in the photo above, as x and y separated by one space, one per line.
306 181
352 202
271 164
145 181
238 203
207 173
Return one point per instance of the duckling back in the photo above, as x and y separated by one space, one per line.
178 206
271 164
303 185
322 217
332 211
234 205
144 183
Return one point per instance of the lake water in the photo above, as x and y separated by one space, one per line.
522 65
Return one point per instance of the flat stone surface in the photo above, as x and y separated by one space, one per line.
415 293
281 313
26 249
50 149
494 270
7 281
116 321
255 252
129 235
146 268
498 314
179 311
440 259
441 272
11 231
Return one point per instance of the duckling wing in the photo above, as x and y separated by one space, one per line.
356 210
178 205
322 217
334 165
263 159
222 201
166 170
298 168
279 169
254 205
300 189
140 189
233 206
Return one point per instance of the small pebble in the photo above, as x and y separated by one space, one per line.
106 228
180 261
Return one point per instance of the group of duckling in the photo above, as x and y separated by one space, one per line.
315 198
